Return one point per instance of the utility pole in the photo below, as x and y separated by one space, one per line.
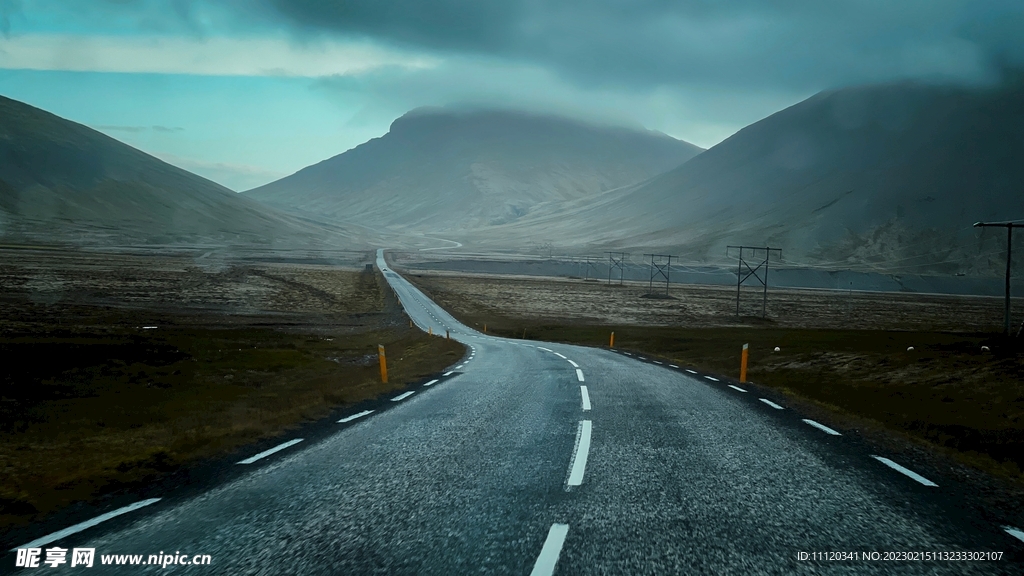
615 260
661 267
1009 253
740 278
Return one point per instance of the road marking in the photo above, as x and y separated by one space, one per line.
627 353
1014 532
656 362
449 373
579 462
586 397
574 365
690 371
737 388
579 375
548 558
460 365
772 404
85 525
641 358
673 366
266 453
712 378
822 427
401 397
905 471
544 349
354 416
431 383
560 356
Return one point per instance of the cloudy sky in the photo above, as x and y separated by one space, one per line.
246 91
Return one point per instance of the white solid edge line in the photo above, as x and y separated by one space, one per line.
85 525
712 378
431 383
691 371
586 397
579 375
354 416
560 356
905 471
822 427
266 453
1019 535
673 366
579 461
449 373
737 388
401 397
548 558
772 404
574 365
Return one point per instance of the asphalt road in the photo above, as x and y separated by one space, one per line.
549 458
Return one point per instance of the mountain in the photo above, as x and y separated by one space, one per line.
64 182
446 170
887 177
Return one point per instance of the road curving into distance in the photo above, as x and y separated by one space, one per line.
535 458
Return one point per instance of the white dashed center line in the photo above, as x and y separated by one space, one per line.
401 397
447 373
586 397
574 365
770 403
822 427
656 362
712 378
560 356
85 525
266 453
579 462
579 375
545 564
673 366
691 371
354 416
431 383
737 388
1014 532
905 471
459 366
544 349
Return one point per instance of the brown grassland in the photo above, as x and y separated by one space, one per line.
92 403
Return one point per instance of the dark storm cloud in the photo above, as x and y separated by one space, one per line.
798 44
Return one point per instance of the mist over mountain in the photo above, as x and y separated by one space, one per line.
444 170
64 182
887 177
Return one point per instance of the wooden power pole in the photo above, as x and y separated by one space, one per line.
1009 253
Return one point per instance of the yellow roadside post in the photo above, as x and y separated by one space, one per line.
485 328
524 333
383 363
430 330
410 323
743 363
611 341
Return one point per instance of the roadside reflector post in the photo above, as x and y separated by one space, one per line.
524 333
430 330
485 328
743 363
383 363
611 341
410 323
447 335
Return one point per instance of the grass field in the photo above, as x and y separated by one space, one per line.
95 404
946 393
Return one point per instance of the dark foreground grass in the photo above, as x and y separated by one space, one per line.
91 410
946 392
